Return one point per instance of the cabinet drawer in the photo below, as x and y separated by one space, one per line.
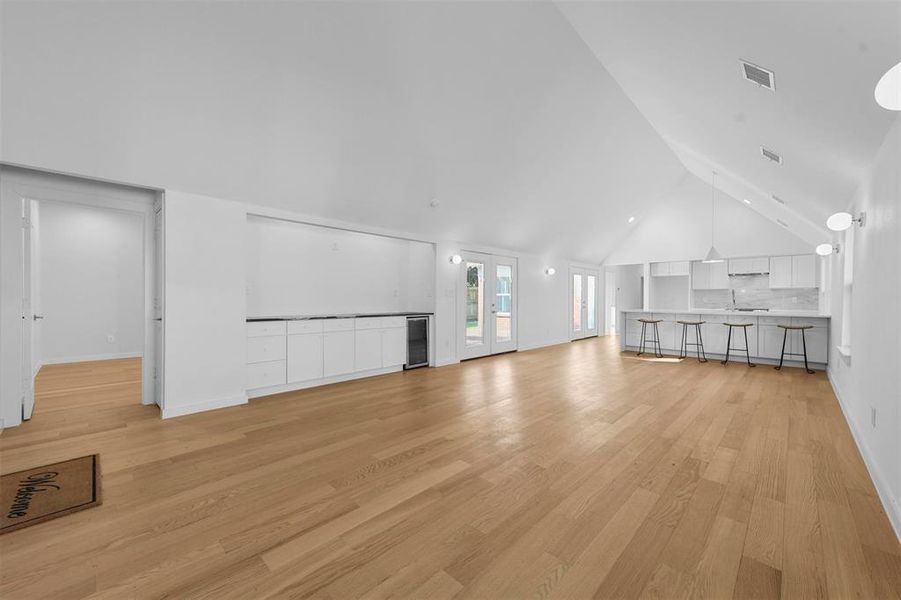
265 374
815 321
314 326
774 321
261 328
368 323
337 324
389 322
262 349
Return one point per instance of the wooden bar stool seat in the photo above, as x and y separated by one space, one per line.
698 343
802 329
746 349
655 340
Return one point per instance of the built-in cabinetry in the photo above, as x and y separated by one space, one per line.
709 276
793 271
748 266
669 269
302 353
764 338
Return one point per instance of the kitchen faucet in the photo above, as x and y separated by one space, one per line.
733 298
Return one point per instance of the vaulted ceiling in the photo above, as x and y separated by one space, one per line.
679 63
538 127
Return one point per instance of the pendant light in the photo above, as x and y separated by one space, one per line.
713 256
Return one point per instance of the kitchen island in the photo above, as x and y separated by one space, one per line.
764 338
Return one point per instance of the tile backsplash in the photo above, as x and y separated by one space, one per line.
753 291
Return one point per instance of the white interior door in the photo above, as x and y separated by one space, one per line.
489 304
583 305
28 316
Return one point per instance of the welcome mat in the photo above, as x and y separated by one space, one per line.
43 493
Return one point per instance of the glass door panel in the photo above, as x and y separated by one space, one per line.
590 303
475 303
577 303
503 303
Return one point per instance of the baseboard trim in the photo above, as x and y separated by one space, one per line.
196 407
889 502
311 383
77 359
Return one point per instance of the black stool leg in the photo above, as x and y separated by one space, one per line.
748 349
804 342
658 354
728 346
700 347
641 343
683 349
782 356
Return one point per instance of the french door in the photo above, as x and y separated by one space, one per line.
583 303
488 304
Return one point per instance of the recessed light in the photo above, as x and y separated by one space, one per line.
746 201
631 219
888 90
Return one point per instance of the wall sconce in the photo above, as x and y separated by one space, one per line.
550 271
842 220
827 249
456 259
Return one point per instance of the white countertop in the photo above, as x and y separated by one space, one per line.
811 314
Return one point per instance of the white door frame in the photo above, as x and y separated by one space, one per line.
18 185
584 331
488 307
610 302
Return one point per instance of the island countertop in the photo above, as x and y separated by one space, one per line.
810 314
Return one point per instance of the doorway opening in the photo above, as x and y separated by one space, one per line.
82 303
625 293
488 304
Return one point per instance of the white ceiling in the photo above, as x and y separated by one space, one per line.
362 112
366 111
679 63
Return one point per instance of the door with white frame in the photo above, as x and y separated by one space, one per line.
583 303
488 304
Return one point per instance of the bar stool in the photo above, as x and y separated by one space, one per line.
802 329
655 339
746 349
699 341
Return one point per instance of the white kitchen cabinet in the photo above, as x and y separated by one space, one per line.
265 328
394 346
305 356
265 348
804 271
338 352
770 337
817 345
669 269
367 349
780 271
760 264
678 268
738 266
265 374
700 276
719 276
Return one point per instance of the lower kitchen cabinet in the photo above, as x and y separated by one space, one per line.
394 346
338 353
367 349
304 357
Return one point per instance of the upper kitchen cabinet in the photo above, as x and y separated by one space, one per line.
747 266
793 271
709 276
669 269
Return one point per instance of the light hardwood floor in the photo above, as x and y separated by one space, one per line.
565 472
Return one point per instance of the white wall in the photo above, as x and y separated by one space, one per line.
679 229
204 306
91 282
870 379
295 268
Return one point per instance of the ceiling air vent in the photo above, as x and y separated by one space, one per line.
781 222
778 199
758 75
766 153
